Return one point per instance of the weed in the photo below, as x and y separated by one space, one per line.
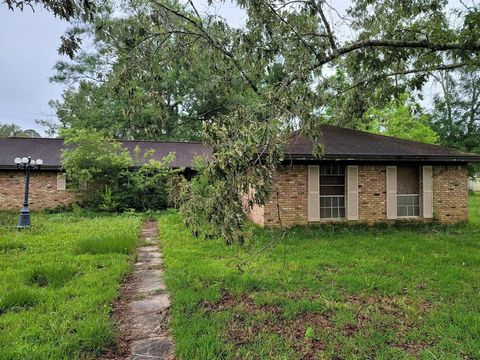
11 245
106 244
50 275
17 299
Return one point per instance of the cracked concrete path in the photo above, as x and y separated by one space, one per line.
142 312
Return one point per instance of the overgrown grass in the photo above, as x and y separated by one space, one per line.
57 281
332 292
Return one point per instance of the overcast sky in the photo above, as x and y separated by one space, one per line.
28 51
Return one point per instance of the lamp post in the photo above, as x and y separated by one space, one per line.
28 164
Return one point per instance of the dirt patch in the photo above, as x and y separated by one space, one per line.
250 320
243 331
122 317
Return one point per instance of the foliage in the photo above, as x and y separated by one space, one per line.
342 281
456 113
56 301
90 156
401 118
107 167
148 188
9 130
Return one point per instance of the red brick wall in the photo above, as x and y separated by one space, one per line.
43 191
450 195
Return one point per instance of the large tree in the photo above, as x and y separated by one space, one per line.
136 83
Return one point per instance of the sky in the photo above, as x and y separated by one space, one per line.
28 52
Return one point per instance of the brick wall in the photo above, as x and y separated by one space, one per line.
43 191
372 193
450 195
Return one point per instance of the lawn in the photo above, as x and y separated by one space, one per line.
334 292
57 282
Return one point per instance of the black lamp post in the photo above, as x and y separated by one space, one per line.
28 164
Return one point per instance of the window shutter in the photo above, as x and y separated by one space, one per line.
61 182
313 193
427 195
391 192
352 199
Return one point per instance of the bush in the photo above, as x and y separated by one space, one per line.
106 167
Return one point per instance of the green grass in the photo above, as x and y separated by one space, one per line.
58 281
332 292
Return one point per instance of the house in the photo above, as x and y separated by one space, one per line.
361 177
369 178
49 187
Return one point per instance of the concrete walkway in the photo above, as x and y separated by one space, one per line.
148 302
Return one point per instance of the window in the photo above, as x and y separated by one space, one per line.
408 189
332 191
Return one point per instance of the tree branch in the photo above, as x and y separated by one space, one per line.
331 38
212 42
386 43
444 67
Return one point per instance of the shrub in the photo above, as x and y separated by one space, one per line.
106 167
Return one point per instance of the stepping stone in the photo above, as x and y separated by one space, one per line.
148 249
151 304
152 348
151 324
147 256
150 281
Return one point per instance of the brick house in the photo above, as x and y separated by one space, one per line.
49 186
361 177
369 178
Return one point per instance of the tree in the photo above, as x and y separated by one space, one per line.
9 130
130 89
394 47
402 118
456 112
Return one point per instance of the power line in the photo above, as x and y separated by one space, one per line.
21 101
26 112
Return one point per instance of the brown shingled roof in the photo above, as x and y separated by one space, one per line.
339 144
50 150
347 144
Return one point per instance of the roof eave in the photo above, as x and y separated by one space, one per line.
400 158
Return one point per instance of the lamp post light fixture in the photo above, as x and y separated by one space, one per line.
27 164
